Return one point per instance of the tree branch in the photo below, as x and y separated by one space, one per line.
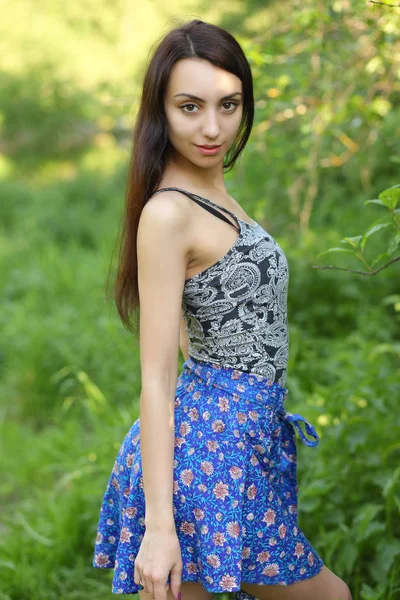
356 271
384 4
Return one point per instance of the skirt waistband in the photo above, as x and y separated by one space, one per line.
253 386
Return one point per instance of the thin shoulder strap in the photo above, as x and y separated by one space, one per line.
210 207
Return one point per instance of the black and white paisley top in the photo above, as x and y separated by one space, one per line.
235 311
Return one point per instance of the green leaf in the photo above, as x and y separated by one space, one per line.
362 521
354 242
374 201
335 250
373 229
378 258
390 197
394 244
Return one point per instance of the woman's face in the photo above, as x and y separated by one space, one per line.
203 106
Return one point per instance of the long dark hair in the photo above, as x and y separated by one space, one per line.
150 147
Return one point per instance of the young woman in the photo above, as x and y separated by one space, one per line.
202 498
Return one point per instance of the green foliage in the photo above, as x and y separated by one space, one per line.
355 245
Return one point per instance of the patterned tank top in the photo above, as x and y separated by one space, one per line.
235 310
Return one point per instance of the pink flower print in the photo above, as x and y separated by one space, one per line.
277 432
269 517
223 404
207 467
123 575
233 529
111 539
271 496
187 528
240 387
295 530
115 483
131 511
218 426
194 414
198 514
303 570
185 428
212 445
190 386
99 538
228 550
271 569
234 503
260 534
254 416
136 468
219 516
213 560
236 433
206 415
219 538
196 395
177 402
209 579
199 434
254 460
187 476
115 468
310 559
204 530
241 417
246 552
282 530
202 487
250 517
110 521
293 509
179 441
272 541
221 456
299 549
236 375
259 448
126 492
192 568
291 567
190 549
227 582
125 535
102 560
263 556
221 490
252 491
129 460
190 451
240 445
235 472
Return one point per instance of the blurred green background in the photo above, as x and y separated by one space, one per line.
325 139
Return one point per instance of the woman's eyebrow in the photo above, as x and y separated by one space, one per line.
192 97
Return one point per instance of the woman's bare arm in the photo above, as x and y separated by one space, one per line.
163 249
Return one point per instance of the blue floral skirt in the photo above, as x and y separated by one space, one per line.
234 489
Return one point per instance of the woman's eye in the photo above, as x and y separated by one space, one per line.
186 105
234 104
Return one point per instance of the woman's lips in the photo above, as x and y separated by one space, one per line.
208 151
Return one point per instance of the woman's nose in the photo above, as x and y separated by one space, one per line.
211 126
